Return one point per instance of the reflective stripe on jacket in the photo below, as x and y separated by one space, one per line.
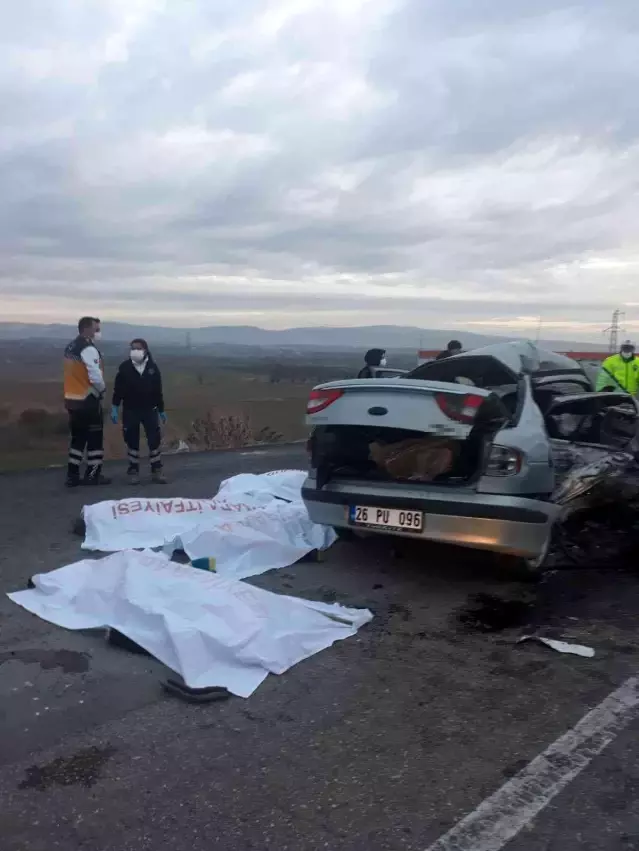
620 374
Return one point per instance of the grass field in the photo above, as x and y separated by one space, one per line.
238 408
214 399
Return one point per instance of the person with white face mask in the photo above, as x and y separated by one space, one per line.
373 359
620 372
138 389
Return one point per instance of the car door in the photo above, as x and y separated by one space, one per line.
599 450
587 426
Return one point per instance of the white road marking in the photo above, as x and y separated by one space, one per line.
501 816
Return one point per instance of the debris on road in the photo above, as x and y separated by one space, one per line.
561 646
212 631
195 695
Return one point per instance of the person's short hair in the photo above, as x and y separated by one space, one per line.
86 323
454 344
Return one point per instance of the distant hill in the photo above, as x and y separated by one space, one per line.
392 337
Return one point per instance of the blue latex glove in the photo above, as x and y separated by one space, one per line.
163 417
114 414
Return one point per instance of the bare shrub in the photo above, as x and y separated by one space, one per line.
220 432
213 431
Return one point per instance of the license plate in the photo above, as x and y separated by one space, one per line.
386 518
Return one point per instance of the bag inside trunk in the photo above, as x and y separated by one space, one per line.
367 452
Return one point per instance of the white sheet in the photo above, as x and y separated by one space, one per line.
256 523
211 630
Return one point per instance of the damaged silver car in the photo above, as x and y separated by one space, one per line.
487 449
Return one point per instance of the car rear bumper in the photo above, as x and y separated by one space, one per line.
513 525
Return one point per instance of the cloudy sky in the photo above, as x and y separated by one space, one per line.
443 163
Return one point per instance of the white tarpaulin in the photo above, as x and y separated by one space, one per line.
211 630
254 524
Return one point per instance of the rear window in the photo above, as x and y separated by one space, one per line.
484 372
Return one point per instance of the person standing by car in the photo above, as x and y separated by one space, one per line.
138 388
372 359
83 393
620 372
452 349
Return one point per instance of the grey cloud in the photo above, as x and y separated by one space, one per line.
96 189
474 78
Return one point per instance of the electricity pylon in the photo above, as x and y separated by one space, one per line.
613 330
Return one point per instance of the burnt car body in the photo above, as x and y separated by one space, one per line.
471 450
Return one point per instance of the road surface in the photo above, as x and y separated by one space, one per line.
381 743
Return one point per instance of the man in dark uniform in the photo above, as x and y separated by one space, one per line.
83 391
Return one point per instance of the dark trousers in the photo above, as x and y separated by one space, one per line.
149 420
86 427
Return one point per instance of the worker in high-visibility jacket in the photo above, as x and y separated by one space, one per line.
620 372
83 392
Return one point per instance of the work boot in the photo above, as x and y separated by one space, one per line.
95 479
158 477
72 482
133 477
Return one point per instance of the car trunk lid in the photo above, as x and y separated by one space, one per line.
428 407
402 430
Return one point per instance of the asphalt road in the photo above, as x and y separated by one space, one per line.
380 743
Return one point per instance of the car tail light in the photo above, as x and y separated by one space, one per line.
463 409
319 400
503 461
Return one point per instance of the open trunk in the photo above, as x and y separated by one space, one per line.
404 430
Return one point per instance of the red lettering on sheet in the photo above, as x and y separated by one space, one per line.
115 516
230 506
193 506
179 507
136 506
149 507
167 507
123 509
